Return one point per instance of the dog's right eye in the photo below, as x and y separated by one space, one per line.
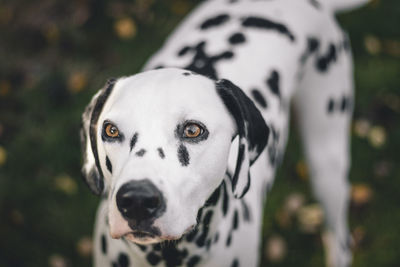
111 130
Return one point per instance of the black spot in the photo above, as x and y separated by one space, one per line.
141 152
324 61
345 104
229 240
186 74
193 261
103 244
213 199
173 256
153 258
123 260
214 21
258 97
133 141
114 264
161 152
190 236
312 47
263 23
331 105
159 67
141 247
237 38
235 263
200 241
183 155
157 247
315 4
208 244
216 237
207 217
273 83
225 200
235 221
184 50
246 211
108 164
202 63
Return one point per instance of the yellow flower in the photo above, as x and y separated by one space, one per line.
125 28
3 155
77 82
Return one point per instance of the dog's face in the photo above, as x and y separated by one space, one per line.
158 144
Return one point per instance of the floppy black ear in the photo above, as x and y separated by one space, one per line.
252 131
91 170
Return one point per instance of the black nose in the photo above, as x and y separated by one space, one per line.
140 200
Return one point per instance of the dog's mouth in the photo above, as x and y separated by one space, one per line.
145 237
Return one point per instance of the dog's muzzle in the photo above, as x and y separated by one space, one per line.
140 201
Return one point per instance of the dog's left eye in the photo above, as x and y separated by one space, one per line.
192 130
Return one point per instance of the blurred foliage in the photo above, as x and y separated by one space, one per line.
56 54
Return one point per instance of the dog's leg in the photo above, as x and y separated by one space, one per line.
323 109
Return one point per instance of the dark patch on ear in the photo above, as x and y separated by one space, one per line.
243 109
251 128
214 21
266 24
186 74
183 155
273 83
108 164
141 152
101 100
133 140
324 61
237 38
259 98
161 152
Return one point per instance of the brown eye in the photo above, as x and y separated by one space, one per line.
192 130
111 130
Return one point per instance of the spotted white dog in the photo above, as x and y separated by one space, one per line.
170 149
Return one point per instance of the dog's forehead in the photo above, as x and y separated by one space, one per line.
169 92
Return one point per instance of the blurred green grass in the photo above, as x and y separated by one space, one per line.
56 54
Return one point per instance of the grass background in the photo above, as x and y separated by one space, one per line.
54 55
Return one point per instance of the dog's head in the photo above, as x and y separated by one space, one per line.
157 143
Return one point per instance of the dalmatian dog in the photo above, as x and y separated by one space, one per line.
184 153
